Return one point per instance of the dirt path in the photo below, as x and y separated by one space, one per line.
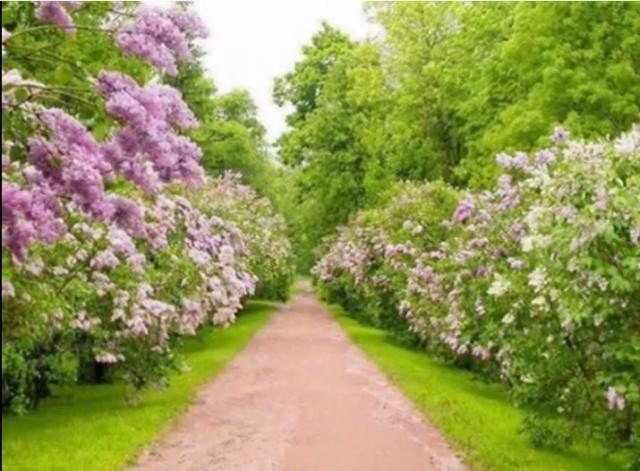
301 397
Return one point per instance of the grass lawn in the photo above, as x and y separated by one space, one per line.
477 418
92 428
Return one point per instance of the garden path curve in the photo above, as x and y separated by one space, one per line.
301 397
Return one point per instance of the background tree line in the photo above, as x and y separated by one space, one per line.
440 91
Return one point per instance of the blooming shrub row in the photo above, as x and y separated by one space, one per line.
535 283
272 259
114 248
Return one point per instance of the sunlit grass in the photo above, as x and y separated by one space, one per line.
92 428
477 418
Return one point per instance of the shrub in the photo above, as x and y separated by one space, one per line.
535 283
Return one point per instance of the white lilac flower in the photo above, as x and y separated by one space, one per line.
35 266
8 291
504 160
504 182
499 286
59 271
538 279
601 198
527 243
528 378
615 400
634 234
508 318
628 143
108 358
568 325
539 302
515 263
479 307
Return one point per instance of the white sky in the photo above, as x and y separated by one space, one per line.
251 42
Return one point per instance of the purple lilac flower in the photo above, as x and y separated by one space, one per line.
160 37
147 149
188 22
520 161
545 157
28 216
464 210
560 135
56 13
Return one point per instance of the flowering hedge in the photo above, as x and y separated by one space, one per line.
535 283
111 248
365 266
271 256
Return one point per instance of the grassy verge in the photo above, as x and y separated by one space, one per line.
91 427
477 418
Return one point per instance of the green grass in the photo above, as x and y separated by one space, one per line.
92 428
476 417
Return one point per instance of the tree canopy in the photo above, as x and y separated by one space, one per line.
442 90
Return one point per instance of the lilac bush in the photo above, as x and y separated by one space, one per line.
535 283
269 249
368 263
112 249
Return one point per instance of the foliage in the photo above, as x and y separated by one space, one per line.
534 283
230 134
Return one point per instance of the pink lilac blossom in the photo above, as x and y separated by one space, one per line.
57 13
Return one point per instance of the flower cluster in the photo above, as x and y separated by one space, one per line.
161 37
365 266
57 13
271 255
146 149
534 283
